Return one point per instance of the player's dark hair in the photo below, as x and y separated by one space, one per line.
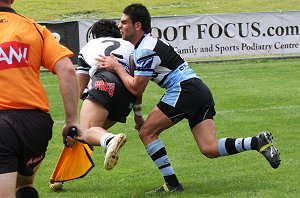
139 13
105 28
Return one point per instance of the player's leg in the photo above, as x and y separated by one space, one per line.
92 114
93 117
262 143
8 158
155 123
121 107
205 136
203 127
8 184
32 154
93 120
16 155
25 186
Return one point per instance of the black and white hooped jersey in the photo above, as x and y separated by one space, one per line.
157 59
87 63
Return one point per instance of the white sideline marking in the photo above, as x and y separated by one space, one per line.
229 111
259 109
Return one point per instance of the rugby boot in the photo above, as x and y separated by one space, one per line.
113 149
267 149
166 188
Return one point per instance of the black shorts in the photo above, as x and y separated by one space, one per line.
195 103
109 91
24 137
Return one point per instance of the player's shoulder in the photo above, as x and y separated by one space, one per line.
146 47
149 42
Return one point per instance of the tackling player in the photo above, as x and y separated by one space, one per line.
186 96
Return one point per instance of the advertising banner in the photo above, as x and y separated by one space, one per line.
231 34
213 35
67 33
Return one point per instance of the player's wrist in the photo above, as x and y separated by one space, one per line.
117 67
136 106
138 113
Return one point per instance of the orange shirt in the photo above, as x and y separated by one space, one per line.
24 47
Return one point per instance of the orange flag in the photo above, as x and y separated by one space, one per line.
74 162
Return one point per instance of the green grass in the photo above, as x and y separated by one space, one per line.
76 9
250 96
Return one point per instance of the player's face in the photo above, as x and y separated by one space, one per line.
127 29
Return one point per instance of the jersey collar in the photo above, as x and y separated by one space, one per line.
138 43
7 9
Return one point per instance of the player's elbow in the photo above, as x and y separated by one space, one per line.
65 67
135 90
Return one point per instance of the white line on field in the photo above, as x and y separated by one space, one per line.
229 111
258 109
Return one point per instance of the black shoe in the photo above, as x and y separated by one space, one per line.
267 149
166 188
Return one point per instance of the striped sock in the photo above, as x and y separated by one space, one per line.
105 139
156 150
230 146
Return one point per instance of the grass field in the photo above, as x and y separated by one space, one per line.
250 96
76 9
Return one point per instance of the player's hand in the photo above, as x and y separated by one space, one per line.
139 121
70 141
108 62
69 133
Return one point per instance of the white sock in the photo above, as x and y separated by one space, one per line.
103 141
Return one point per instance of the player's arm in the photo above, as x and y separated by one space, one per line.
138 116
68 85
136 85
82 74
83 80
131 63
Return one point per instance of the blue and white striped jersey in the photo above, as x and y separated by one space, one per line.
157 59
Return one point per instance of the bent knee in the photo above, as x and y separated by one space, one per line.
143 134
210 152
147 136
